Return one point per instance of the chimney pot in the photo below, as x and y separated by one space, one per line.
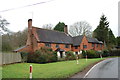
29 23
29 20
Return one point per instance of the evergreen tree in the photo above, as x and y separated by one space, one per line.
101 32
104 33
60 27
118 41
111 39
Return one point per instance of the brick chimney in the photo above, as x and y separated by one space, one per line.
66 29
29 35
29 23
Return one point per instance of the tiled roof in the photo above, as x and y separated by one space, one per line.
52 36
77 40
93 40
19 48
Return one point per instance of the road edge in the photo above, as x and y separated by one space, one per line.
93 67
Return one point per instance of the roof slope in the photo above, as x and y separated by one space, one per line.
52 36
93 40
77 40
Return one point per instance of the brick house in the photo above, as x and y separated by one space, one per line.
58 41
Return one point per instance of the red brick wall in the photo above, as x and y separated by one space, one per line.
76 50
53 46
84 42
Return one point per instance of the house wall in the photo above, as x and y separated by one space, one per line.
53 46
75 50
84 42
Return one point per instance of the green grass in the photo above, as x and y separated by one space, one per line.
50 70
0 72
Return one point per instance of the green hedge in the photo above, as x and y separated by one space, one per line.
43 55
90 54
24 56
70 56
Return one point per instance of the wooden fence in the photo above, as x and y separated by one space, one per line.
8 58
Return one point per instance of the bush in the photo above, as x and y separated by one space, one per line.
90 54
80 56
24 56
70 56
43 55
105 53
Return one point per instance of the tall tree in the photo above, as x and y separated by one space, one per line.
101 32
104 33
60 27
80 28
14 40
118 41
111 39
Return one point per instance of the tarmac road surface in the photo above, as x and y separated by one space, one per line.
105 69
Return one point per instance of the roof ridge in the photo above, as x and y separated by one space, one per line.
78 36
48 29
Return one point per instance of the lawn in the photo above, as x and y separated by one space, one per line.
0 72
61 69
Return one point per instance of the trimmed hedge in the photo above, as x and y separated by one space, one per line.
43 55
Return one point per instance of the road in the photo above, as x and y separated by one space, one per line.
105 69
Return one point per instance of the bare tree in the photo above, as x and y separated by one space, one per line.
48 26
80 28
3 24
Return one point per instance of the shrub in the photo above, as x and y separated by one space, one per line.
80 56
70 55
24 56
90 54
105 53
43 55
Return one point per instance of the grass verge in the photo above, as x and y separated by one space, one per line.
62 69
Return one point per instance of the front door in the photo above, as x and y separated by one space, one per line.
61 54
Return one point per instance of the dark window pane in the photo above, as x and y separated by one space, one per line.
66 46
96 45
76 47
101 45
92 45
84 46
57 45
48 44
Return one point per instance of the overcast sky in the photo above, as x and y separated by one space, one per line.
53 11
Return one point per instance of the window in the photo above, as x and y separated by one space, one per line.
84 46
66 46
96 45
101 45
76 47
57 45
92 45
48 44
